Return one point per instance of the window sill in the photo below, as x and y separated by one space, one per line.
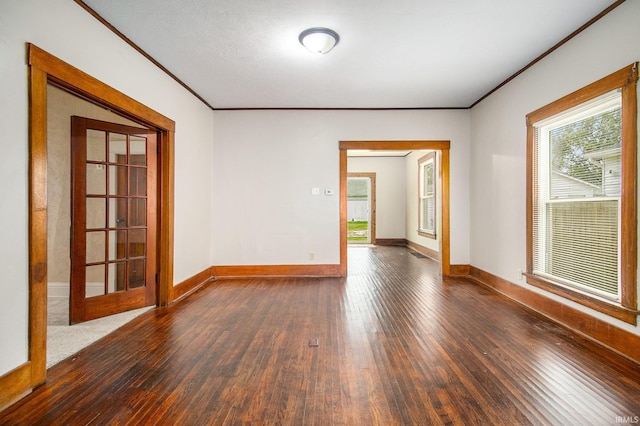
427 234
612 309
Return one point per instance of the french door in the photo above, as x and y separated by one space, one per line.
113 218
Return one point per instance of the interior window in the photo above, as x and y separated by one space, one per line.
581 195
427 195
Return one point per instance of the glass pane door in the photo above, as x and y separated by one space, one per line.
113 215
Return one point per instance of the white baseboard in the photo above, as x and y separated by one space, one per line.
59 289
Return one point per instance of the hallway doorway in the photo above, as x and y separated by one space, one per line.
361 208
443 146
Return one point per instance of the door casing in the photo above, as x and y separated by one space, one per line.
439 145
44 69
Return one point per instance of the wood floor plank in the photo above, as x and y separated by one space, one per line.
396 345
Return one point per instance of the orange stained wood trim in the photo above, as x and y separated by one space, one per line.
191 285
445 247
391 242
395 145
629 207
37 225
166 173
44 68
15 385
621 341
80 82
622 313
276 270
343 211
460 270
372 204
440 145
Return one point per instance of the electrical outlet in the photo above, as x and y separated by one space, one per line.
312 256
520 274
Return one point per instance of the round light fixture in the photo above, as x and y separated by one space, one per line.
319 40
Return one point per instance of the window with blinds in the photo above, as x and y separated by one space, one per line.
582 220
577 210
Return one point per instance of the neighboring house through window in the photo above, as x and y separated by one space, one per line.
581 197
427 194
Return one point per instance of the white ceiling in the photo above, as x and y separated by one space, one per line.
392 54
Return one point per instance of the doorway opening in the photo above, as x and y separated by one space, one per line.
46 70
443 241
361 208
107 178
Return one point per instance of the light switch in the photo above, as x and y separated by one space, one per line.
315 191
328 192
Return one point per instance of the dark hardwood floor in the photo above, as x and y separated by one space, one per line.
396 345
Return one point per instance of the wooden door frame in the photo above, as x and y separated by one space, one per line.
372 201
439 145
44 69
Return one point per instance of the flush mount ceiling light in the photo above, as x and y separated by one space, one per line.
319 40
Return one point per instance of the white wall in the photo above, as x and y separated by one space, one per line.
390 192
266 162
498 176
65 30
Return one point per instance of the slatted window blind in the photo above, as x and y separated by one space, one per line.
577 186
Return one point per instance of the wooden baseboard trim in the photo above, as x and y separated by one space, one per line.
424 250
460 270
614 338
15 385
276 270
190 285
391 242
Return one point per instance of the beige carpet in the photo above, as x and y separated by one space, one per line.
64 340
